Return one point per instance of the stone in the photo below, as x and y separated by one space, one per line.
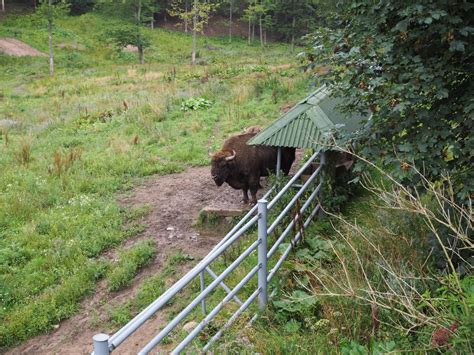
188 327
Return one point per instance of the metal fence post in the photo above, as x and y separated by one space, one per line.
101 344
278 167
203 286
322 160
262 253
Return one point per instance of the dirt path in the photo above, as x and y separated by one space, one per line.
175 202
16 48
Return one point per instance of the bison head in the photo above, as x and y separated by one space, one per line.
221 165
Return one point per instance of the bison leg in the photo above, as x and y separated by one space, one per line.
246 196
253 192
254 185
254 197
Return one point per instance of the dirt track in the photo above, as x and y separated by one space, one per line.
16 48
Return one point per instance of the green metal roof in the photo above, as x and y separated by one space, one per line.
304 124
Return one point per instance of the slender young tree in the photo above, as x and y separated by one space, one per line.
195 21
199 14
136 13
231 9
48 11
50 37
251 14
140 42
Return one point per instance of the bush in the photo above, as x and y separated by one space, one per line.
408 64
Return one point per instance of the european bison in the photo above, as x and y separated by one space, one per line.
241 165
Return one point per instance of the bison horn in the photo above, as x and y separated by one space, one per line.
231 156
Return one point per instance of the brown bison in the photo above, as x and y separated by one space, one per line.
241 165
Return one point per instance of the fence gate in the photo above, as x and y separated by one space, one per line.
280 218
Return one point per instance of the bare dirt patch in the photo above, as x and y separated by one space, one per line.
16 48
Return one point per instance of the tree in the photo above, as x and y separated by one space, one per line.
199 13
231 11
132 34
49 10
295 18
79 7
409 63
251 15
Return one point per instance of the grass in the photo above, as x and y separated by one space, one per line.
99 126
130 261
149 290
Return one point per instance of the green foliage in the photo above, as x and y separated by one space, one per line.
408 64
131 260
124 35
193 104
45 12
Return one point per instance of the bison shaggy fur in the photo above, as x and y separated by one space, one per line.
241 165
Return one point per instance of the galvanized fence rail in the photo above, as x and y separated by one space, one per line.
258 216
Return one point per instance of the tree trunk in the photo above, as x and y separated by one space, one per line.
230 21
186 16
293 25
141 54
253 31
3 5
261 31
50 37
250 29
193 54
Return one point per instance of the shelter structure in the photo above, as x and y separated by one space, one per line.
307 124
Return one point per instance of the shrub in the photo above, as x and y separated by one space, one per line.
193 104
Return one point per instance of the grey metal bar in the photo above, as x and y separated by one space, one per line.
170 326
224 286
203 286
292 180
292 223
278 167
293 201
101 344
262 253
255 316
143 316
242 221
232 319
214 312
288 249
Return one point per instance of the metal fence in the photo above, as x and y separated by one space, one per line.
296 213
